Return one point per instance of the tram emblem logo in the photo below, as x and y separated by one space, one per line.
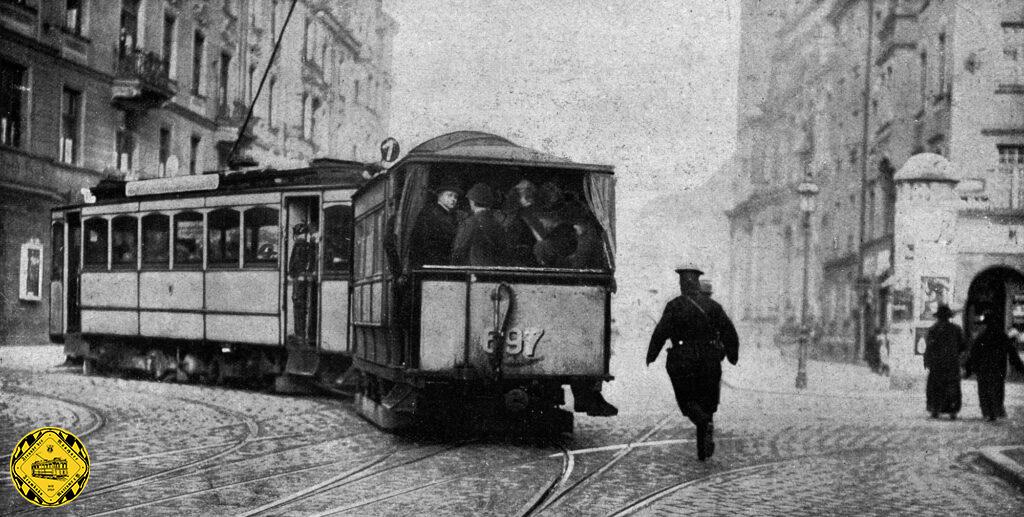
50 467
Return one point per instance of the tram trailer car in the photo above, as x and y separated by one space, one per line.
465 341
188 276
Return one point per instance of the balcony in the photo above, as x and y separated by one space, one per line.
141 81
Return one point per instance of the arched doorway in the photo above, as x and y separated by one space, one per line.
1001 287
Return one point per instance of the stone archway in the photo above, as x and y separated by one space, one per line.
1002 287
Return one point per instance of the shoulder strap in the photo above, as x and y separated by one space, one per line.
699 308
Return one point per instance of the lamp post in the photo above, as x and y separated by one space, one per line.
808 191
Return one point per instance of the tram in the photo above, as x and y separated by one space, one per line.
187 276
495 340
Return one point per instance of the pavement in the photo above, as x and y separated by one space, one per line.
768 370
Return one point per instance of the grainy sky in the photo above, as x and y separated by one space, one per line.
646 86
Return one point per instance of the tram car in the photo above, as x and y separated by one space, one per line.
490 331
56 468
189 276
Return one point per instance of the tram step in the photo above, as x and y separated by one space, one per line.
302 361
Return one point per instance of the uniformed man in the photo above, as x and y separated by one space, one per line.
302 271
702 335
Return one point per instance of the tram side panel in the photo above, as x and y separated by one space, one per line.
552 330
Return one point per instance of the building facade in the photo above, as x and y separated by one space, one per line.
855 89
135 89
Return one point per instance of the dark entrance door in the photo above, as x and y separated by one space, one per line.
74 221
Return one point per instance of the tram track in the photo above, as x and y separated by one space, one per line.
98 418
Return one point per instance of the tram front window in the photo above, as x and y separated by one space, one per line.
538 219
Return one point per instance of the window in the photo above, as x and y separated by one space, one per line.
270 102
169 49
165 151
1011 156
261 236
156 236
12 88
225 75
198 42
313 109
125 149
128 38
1013 55
193 157
304 115
251 86
924 77
70 107
223 237
305 41
188 240
57 251
96 242
337 239
273 18
73 16
942 64
124 242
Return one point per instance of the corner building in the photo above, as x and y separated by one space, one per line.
855 90
134 89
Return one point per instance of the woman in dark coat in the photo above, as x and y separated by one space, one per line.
944 344
989 354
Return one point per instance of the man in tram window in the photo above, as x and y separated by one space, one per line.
589 253
302 269
480 240
556 247
436 225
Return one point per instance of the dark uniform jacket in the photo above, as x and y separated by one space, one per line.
688 328
433 235
302 263
480 241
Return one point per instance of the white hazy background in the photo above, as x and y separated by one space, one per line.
649 87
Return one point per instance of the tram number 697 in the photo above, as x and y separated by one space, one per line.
516 341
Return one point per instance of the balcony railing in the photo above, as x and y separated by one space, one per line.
143 79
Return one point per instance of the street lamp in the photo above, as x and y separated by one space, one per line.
808 191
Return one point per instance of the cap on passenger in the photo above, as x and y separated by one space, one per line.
449 184
482 195
689 266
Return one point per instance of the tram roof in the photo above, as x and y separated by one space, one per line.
486 148
321 172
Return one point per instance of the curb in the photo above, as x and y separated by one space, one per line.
1005 466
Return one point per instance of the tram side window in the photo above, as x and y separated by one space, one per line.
96 242
188 239
262 234
368 254
125 242
223 238
156 234
337 238
57 247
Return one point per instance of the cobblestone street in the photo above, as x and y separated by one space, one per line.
848 446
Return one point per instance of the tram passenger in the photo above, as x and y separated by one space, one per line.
702 335
522 223
556 247
302 269
589 253
480 240
434 232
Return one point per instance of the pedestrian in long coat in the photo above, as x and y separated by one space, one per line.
989 354
480 240
944 344
702 336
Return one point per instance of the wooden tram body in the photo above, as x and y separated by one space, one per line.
190 273
449 341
